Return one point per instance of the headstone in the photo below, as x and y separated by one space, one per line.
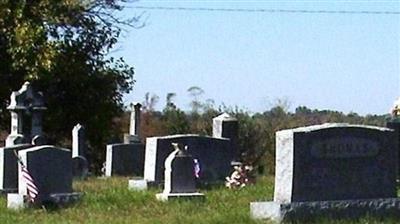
225 126
78 141
9 167
134 126
80 167
213 154
333 170
394 122
124 159
26 105
179 176
51 169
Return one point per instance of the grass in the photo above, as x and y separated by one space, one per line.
110 201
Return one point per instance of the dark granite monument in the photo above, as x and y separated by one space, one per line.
127 159
51 169
179 176
213 154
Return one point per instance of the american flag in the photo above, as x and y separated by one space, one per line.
196 168
31 187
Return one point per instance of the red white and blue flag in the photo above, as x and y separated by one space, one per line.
196 168
31 188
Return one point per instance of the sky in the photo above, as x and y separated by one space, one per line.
343 62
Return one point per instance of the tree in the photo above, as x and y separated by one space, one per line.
195 92
62 48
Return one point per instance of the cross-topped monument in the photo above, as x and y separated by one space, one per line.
26 107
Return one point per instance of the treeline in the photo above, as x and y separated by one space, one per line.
256 130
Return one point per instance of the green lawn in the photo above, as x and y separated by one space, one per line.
110 201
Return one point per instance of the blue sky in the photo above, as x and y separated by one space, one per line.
345 62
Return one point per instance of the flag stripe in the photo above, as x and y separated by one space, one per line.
31 188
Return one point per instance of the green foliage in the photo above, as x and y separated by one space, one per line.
61 47
256 131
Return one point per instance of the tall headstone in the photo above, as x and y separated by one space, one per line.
51 170
26 106
134 126
179 176
78 141
333 170
226 126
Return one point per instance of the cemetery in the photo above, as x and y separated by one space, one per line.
80 142
323 173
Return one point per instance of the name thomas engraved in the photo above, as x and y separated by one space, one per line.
344 147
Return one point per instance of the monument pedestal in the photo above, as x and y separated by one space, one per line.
303 211
170 196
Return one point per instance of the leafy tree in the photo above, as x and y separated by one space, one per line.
62 47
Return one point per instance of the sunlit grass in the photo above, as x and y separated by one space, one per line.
110 201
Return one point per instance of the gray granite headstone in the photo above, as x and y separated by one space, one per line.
124 159
179 176
213 154
9 167
351 164
78 141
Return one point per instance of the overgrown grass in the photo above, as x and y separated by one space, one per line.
110 201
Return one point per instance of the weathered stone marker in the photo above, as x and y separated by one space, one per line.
51 170
333 170
179 176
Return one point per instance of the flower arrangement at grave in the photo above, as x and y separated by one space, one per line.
241 176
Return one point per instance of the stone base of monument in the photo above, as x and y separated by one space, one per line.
341 209
137 185
8 191
172 196
18 201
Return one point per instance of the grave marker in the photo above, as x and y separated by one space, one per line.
334 170
179 176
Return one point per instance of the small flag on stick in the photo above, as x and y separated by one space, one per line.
31 187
